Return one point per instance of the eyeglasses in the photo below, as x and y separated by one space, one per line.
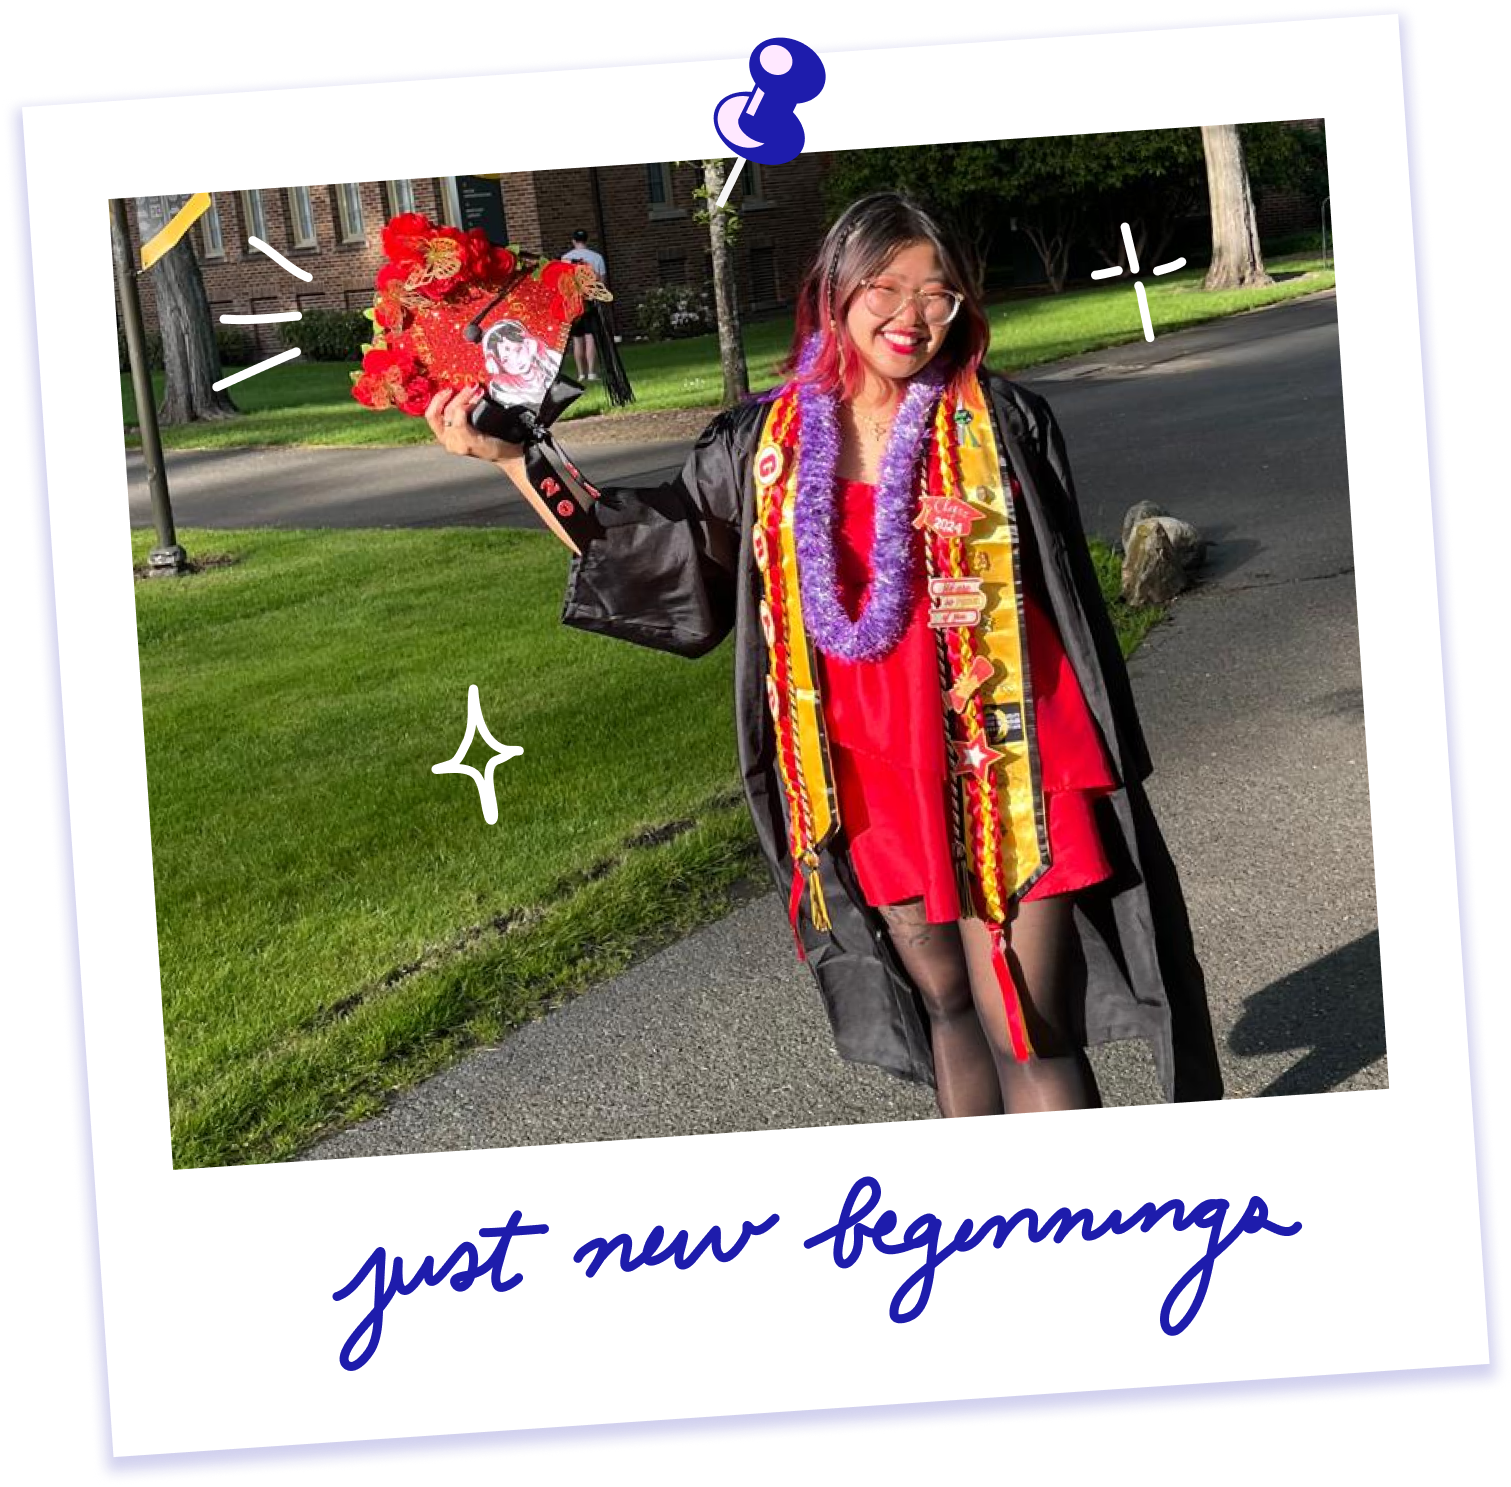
939 306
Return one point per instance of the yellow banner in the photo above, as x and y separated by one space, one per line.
183 219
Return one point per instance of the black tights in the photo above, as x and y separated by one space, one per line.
951 965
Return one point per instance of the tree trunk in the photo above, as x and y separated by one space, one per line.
191 359
726 305
1053 235
1236 260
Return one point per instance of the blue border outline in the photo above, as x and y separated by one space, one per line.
809 1422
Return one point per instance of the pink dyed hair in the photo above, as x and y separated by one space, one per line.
865 237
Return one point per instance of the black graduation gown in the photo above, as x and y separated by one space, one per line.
673 569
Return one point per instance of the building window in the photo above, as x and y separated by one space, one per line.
252 218
451 201
400 197
210 235
672 270
752 185
301 218
349 212
658 190
763 290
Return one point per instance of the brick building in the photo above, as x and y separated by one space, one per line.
640 217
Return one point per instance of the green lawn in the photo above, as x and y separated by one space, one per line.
334 920
1028 332
311 402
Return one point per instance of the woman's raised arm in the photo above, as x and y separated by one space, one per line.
449 418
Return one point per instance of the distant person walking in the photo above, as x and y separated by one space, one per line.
584 348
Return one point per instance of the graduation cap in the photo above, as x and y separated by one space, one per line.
450 309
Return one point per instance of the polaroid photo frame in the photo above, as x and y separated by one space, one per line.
221 1326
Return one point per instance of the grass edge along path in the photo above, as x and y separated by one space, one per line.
490 980
337 1058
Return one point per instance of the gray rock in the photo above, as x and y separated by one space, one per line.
1152 571
1139 511
1189 544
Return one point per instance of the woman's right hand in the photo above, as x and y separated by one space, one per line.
449 418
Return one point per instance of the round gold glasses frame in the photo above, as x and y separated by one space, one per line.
938 306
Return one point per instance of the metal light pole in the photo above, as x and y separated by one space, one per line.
167 558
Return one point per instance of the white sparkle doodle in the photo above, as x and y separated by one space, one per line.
484 781
1138 284
274 317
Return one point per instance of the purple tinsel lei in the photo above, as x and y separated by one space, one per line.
884 618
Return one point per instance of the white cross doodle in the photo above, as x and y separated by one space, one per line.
1138 284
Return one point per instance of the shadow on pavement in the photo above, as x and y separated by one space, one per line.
1333 1008
1225 554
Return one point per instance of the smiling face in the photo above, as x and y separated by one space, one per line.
895 347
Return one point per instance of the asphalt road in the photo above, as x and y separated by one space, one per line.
1250 697
1236 426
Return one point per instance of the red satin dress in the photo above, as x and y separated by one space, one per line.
885 724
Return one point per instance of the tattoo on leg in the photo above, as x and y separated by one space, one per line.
907 925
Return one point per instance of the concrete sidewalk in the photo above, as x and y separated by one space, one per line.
1250 697
414 486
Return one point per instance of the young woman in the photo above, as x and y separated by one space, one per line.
938 739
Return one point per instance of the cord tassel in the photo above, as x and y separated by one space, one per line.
817 908
615 379
794 902
1017 1031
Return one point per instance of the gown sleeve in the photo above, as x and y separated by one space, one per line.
662 569
1054 478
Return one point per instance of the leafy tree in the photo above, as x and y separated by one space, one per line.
1286 155
1150 179
1057 190
961 184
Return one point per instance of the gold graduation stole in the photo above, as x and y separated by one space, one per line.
973 567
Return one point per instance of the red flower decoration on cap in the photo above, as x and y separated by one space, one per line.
432 261
391 378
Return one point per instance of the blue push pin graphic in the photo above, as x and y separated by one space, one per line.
762 124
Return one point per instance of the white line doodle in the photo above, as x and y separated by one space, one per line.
280 260
262 366
273 317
